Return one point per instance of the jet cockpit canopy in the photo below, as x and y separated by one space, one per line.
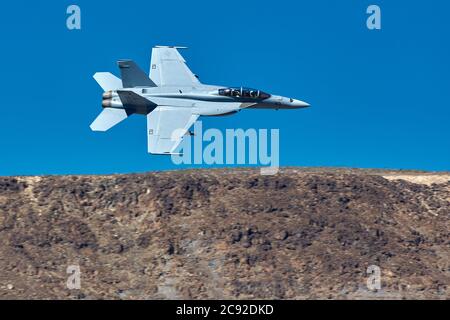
242 92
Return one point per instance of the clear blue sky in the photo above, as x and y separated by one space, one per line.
380 98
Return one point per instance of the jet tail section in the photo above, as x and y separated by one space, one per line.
108 81
133 76
108 118
135 103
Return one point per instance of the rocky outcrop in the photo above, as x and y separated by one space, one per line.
301 234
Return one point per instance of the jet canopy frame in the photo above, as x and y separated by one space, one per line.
243 92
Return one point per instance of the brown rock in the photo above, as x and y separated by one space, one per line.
303 233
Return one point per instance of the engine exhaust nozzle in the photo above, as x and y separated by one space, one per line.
107 95
109 103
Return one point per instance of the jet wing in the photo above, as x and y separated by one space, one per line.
166 127
168 68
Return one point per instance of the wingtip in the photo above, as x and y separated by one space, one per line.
166 153
173 47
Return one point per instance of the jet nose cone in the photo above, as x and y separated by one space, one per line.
300 104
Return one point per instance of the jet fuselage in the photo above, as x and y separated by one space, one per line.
193 97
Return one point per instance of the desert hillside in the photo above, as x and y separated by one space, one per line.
231 234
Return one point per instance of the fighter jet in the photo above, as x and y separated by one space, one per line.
173 98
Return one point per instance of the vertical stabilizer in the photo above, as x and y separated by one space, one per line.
133 76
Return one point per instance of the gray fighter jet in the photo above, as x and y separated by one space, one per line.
173 98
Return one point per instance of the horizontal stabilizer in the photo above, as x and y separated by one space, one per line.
133 76
108 118
108 81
